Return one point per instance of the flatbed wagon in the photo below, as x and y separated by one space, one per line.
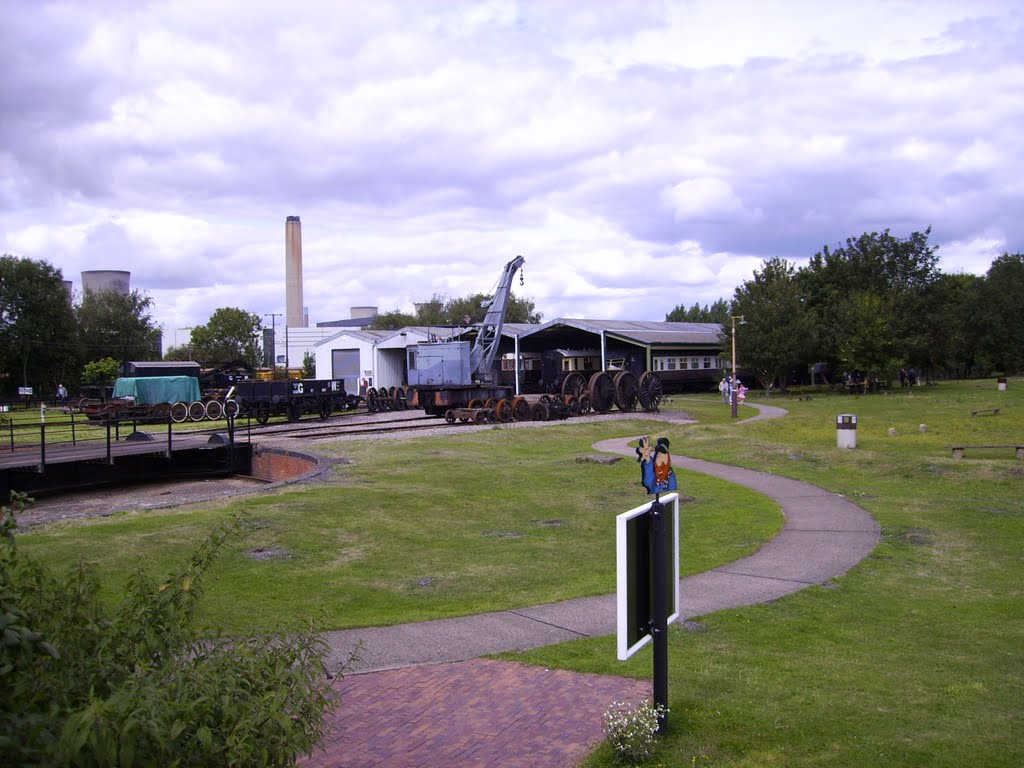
293 398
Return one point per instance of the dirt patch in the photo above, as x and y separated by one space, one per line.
103 502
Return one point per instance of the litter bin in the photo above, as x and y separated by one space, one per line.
846 430
1001 383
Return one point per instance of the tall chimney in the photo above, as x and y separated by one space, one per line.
294 316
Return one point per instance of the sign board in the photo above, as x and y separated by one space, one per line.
25 391
634 573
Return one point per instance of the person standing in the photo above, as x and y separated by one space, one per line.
723 388
62 395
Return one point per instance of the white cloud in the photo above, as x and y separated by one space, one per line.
639 156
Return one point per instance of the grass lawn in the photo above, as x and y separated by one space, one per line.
422 529
913 658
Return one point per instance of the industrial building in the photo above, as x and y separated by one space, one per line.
684 355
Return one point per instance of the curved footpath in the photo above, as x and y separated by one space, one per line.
457 712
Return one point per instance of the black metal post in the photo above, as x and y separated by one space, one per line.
659 633
42 446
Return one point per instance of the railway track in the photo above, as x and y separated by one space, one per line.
354 424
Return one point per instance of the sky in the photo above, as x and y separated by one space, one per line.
640 155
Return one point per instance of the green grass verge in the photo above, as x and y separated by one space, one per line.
423 529
913 658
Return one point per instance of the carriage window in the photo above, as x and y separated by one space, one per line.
671 363
588 363
707 362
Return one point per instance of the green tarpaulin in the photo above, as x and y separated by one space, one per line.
158 389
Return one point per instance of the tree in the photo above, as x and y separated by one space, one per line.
392 321
949 314
113 324
102 372
716 313
230 334
37 326
474 307
867 299
439 311
181 352
996 322
778 333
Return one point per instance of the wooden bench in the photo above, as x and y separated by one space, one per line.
993 411
958 450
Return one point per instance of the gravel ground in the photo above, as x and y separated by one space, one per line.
104 502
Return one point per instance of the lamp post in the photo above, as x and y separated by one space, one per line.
732 383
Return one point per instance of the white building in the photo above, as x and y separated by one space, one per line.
367 358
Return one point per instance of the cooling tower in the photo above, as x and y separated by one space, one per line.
294 316
97 280
359 313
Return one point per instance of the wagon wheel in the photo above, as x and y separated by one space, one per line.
449 416
214 409
625 391
480 417
572 405
602 392
544 399
262 413
230 409
401 399
371 400
503 409
179 412
585 405
651 391
476 402
520 409
490 402
573 384
197 411
539 412
325 408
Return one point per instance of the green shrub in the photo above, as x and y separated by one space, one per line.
136 685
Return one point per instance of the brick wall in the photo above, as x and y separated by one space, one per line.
273 464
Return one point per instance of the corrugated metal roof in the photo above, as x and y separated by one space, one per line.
642 331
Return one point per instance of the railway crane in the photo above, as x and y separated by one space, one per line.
450 375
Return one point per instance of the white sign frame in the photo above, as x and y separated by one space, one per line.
622 574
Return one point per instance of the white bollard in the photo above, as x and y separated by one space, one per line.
846 430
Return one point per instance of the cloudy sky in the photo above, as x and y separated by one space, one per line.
640 155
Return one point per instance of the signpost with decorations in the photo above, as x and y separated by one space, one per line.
647 568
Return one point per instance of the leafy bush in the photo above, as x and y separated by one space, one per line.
85 685
631 730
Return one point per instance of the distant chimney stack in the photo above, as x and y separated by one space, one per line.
294 315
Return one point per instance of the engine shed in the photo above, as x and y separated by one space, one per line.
686 356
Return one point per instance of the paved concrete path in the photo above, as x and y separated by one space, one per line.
428 699
824 536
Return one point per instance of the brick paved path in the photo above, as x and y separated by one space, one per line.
471 713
